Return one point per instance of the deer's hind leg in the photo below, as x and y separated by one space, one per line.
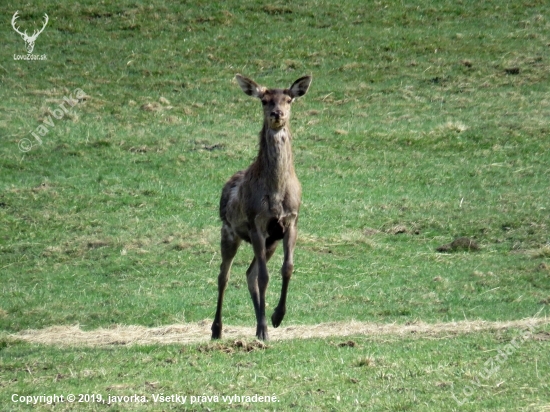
229 245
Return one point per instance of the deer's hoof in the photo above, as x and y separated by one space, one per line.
216 330
261 333
277 317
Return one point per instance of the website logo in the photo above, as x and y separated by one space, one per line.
29 40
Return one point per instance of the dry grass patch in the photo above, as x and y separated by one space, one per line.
542 252
191 333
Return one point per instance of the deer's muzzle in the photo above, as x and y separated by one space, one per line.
277 119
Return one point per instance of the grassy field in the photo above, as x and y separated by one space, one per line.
425 121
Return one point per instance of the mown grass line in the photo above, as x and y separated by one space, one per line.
200 332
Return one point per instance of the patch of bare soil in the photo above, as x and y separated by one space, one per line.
461 243
191 333
232 347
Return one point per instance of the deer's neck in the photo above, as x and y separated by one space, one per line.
275 157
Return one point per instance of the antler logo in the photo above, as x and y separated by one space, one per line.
29 40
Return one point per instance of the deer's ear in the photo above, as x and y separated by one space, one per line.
300 87
250 87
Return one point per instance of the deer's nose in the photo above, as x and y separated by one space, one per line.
276 114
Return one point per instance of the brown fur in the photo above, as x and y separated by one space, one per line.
260 205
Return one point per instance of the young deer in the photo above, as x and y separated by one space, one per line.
260 205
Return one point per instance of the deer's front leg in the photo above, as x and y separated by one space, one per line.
289 241
258 278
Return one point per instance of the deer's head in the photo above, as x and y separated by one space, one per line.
29 40
276 102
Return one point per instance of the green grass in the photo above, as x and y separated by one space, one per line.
362 373
424 122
